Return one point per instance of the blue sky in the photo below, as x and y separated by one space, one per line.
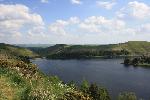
74 21
64 9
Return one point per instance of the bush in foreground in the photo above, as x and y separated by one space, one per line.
127 96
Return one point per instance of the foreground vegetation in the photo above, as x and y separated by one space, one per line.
21 80
63 51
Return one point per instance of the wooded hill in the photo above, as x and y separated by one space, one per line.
12 51
64 51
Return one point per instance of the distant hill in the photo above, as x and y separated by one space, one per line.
134 47
7 50
34 45
131 48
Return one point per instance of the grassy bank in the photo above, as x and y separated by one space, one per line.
22 81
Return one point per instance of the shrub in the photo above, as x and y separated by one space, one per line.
127 96
15 78
84 86
25 93
126 61
98 93
75 96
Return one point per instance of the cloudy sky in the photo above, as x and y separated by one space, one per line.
74 21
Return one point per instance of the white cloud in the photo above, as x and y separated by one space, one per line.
59 27
96 29
16 20
90 25
19 14
101 24
105 4
18 24
76 2
136 10
144 29
44 1
74 20
56 29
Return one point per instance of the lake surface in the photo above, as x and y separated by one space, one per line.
106 72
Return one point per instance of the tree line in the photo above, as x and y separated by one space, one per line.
143 60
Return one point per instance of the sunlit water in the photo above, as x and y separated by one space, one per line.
107 72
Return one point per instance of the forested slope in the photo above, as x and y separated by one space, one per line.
131 48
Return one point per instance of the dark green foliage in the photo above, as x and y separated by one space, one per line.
3 70
145 59
138 61
67 54
127 96
127 61
85 86
135 61
76 96
104 95
16 79
98 93
94 91
25 93
54 79
72 84
13 75
62 51
26 59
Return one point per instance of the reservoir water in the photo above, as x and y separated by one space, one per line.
106 72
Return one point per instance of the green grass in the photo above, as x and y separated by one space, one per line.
38 87
144 65
12 84
21 80
12 51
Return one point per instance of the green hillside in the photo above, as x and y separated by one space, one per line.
62 51
21 80
7 51
135 47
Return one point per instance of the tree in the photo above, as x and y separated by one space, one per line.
126 61
127 96
93 91
98 93
104 95
85 86
135 61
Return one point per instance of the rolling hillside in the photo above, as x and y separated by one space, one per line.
134 47
131 48
7 51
